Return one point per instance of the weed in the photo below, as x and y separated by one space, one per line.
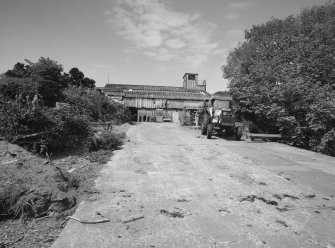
101 156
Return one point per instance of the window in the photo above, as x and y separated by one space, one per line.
191 77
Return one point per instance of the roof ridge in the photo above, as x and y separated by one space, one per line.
191 95
138 87
184 91
143 85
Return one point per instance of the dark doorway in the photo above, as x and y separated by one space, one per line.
133 113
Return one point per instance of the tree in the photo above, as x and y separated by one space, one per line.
43 78
281 74
88 83
77 78
19 70
49 75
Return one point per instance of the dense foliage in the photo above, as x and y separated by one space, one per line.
282 77
94 105
28 116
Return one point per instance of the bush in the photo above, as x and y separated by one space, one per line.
96 106
43 130
20 118
327 144
108 140
69 132
27 117
101 156
14 88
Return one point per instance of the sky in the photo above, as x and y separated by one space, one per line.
151 42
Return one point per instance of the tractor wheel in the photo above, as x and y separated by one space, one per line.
209 131
229 132
238 133
204 125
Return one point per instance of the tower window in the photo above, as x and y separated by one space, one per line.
191 77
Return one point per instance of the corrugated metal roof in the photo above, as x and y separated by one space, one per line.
192 105
117 93
185 95
188 73
121 87
222 95
222 98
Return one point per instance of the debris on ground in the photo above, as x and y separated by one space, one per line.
132 218
173 214
281 222
31 187
281 197
283 209
252 198
141 172
223 210
103 220
310 196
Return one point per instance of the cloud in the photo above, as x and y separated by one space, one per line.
235 35
154 28
175 43
101 66
231 16
239 5
234 9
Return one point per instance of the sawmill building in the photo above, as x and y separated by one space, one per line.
178 103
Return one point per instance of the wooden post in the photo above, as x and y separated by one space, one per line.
196 120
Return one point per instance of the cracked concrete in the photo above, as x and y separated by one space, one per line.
190 191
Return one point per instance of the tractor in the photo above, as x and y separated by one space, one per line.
218 116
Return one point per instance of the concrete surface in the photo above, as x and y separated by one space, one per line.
194 192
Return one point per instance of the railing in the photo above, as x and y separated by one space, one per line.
201 82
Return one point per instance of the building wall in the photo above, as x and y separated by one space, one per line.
146 108
195 84
144 115
160 103
152 112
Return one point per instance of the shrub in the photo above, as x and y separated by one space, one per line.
14 88
27 117
96 106
69 132
101 156
327 144
43 130
108 140
20 118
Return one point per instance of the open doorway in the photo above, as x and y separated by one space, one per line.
133 113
